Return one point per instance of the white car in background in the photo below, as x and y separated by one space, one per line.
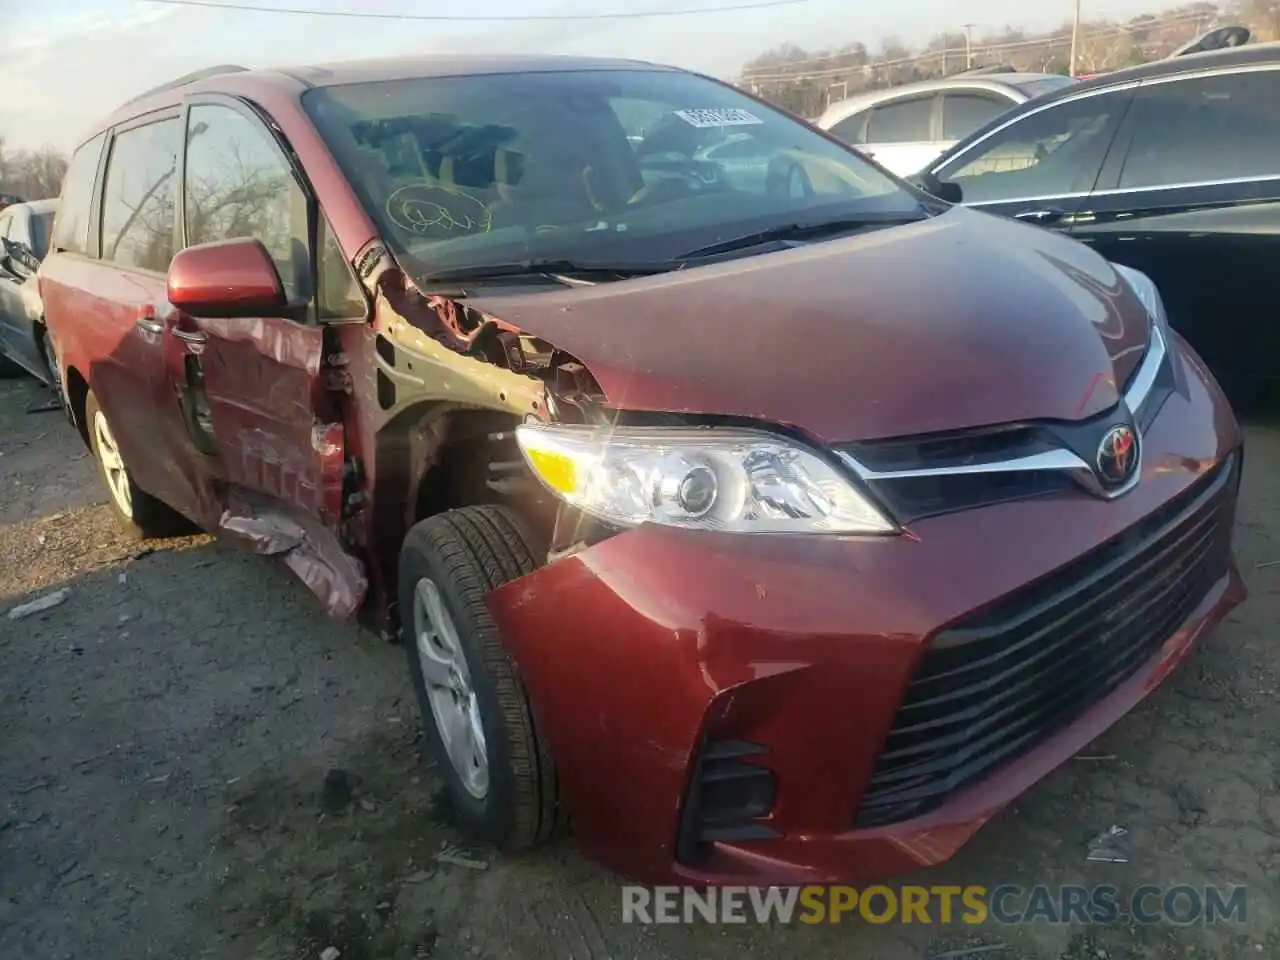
906 128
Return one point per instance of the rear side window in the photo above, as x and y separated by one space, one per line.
1049 153
71 224
1205 129
901 122
239 185
138 206
850 128
963 113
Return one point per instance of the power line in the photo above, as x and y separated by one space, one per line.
454 18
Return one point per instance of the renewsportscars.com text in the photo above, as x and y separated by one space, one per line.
1006 904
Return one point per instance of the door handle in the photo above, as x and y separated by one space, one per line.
191 336
1041 217
146 321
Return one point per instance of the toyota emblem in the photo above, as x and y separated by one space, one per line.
1117 456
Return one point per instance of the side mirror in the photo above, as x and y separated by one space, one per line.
944 190
1219 38
229 278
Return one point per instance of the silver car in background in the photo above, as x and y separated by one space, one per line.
906 128
24 241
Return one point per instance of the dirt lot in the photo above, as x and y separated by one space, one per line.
165 736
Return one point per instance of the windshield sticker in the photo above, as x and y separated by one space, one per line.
718 117
426 208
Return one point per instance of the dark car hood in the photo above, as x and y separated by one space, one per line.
962 320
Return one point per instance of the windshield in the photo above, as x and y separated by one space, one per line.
635 165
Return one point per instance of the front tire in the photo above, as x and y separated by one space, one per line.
139 514
496 765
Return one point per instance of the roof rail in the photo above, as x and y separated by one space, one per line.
185 79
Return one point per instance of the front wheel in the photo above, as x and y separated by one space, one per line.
139 514
477 716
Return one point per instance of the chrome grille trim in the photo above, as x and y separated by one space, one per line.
1060 460
1145 377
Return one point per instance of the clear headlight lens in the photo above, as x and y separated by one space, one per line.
710 478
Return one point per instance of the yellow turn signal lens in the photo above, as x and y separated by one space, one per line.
557 470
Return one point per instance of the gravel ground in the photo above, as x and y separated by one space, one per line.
167 737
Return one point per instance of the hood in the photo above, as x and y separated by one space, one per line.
959 321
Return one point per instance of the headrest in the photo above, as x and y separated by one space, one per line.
446 174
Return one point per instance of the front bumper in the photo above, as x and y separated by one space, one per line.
659 654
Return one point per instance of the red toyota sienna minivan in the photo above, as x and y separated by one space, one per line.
764 517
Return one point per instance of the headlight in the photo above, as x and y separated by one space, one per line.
720 479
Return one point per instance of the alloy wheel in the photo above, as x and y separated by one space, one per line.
112 463
447 677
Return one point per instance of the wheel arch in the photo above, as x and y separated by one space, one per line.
433 457
77 388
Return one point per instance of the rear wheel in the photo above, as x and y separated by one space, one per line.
496 765
140 515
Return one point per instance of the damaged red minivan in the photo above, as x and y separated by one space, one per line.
765 518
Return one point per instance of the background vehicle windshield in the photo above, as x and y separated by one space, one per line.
41 223
591 165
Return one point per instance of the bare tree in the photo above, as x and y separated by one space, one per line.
802 80
31 174
1262 15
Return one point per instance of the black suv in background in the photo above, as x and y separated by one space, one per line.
1172 168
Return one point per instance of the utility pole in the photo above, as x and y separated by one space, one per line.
1075 39
968 45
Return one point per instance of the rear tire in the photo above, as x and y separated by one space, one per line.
139 514
475 710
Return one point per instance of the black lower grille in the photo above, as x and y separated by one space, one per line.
988 688
727 793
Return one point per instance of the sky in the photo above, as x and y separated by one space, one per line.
64 64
